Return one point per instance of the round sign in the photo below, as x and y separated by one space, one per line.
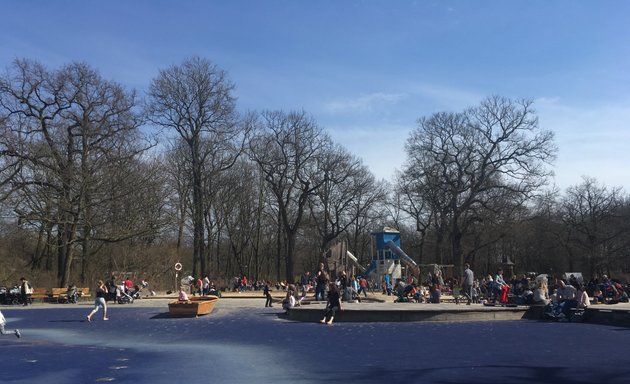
178 266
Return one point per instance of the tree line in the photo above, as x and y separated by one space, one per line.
95 179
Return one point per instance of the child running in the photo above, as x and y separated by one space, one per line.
3 332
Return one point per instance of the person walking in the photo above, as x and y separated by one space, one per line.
363 285
467 283
267 293
3 332
99 302
205 288
305 282
198 287
111 289
26 290
321 281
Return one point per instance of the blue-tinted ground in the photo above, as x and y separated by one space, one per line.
254 345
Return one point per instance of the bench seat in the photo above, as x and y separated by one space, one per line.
58 295
39 294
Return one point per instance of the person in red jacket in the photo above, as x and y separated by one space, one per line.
128 285
363 283
243 283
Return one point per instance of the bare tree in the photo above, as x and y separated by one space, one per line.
195 100
289 149
239 209
367 212
415 197
592 215
493 151
541 235
66 130
178 172
347 201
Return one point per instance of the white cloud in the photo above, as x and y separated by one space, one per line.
447 98
363 103
592 140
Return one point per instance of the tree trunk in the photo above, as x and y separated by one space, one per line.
289 256
456 247
198 207
278 246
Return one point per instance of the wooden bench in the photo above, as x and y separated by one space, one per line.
39 294
58 295
84 292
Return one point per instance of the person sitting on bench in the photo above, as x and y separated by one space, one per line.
567 298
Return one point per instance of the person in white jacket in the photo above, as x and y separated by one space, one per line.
3 331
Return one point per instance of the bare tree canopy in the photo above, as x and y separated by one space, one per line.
66 132
289 149
349 192
464 163
195 100
81 196
592 215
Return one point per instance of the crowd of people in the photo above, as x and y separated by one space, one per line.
201 286
124 290
560 294
344 287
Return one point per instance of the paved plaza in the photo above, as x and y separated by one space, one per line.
243 342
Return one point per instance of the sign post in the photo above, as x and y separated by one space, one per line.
178 267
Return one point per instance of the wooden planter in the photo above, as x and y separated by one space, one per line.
194 307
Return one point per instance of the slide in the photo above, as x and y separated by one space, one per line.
404 258
371 268
355 261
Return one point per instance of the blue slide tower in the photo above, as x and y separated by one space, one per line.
385 263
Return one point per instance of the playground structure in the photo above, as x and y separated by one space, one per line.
404 259
388 260
386 263
338 258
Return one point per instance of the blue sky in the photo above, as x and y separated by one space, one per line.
367 70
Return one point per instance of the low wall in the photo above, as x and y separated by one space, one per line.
424 312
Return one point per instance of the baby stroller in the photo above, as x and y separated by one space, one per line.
10 295
3 295
125 298
128 298
135 294
72 296
407 294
